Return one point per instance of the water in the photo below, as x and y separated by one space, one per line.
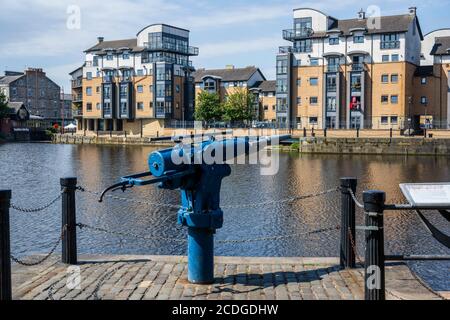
32 171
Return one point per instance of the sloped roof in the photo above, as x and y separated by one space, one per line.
15 106
266 86
441 46
9 79
236 74
388 24
115 44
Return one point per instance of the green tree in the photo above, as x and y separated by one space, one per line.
239 106
208 107
4 110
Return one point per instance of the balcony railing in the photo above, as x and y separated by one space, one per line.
77 112
77 98
297 34
77 83
333 68
285 49
331 88
163 46
186 63
390 45
358 67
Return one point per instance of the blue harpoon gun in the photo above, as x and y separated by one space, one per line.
197 170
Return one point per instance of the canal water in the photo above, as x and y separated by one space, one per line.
32 171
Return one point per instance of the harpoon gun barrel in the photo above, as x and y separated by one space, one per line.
207 152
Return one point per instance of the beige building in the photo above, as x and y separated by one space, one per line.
361 73
136 85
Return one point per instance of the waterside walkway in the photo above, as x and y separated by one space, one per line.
237 278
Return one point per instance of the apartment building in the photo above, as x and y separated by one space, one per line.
38 93
228 81
136 85
353 73
265 93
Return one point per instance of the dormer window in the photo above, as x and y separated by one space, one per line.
125 55
109 56
209 85
333 40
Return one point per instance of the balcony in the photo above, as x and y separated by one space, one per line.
333 68
358 67
77 83
285 49
77 113
297 34
108 79
331 88
77 98
390 45
161 46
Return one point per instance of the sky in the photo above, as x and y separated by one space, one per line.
49 35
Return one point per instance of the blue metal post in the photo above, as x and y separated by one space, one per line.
200 256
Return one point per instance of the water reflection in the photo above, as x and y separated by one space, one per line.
32 171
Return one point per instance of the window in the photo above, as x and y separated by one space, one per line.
334 40
394 120
423 80
140 106
384 120
358 39
95 61
209 85
177 88
97 106
109 57
266 108
394 99
299 82
385 58
89 91
314 62
424 100
331 104
89 106
390 41
282 85
151 88
140 72
140 89
299 101
14 91
89 75
302 46
313 100
97 89
303 26
394 78
282 66
125 55
42 93
395 58
384 99
313 120
385 78
313 81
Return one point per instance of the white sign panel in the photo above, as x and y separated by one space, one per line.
433 195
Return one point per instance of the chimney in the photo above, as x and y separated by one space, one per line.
361 15
100 39
413 11
229 67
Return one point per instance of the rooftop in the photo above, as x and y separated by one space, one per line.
441 46
228 74
266 86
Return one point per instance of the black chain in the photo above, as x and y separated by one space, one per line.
38 209
358 204
45 258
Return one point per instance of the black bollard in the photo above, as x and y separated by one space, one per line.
374 273
348 233
5 249
304 132
325 132
69 239
357 132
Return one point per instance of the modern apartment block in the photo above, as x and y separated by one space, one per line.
228 81
360 73
38 93
136 85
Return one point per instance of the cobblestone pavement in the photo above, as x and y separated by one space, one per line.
164 277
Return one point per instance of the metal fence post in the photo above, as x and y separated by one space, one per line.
5 250
348 234
69 238
374 273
